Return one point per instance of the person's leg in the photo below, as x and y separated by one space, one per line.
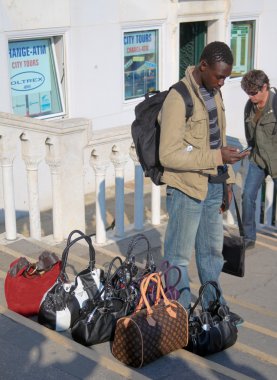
209 244
253 182
209 240
184 214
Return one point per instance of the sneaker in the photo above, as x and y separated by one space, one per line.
249 244
236 319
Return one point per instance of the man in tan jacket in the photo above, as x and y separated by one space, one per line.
195 157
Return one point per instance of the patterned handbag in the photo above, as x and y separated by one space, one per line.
150 332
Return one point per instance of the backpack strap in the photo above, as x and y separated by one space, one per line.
247 109
183 90
274 107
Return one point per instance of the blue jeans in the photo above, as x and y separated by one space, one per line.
195 224
254 179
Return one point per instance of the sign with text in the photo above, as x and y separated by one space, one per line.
140 62
30 76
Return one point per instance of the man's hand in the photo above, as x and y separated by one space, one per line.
231 155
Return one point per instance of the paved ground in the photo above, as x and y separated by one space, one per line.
28 350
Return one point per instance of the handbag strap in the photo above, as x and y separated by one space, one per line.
23 267
122 271
63 276
130 256
164 270
241 229
201 293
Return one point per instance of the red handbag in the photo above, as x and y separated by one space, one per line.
26 282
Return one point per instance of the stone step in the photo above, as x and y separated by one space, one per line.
251 357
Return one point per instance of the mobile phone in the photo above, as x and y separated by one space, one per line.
246 149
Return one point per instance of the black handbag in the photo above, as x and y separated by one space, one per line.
61 304
133 274
211 330
234 249
97 321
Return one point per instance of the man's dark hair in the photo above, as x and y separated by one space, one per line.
254 80
217 51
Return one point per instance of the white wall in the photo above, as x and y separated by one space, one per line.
93 36
92 32
265 12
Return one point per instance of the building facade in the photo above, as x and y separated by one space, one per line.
96 59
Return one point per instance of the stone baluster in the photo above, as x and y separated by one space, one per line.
258 208
32 159
54 161
119 161
100 168
8 193
155 205
33 195
139 196
269 196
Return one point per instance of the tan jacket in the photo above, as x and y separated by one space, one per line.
185 145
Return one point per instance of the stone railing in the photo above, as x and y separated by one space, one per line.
58 162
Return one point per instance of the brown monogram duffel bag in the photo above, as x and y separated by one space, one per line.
151 332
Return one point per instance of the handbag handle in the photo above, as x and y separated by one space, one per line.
63 276
23 267
164 270
144 301
149 260
201 292
109 276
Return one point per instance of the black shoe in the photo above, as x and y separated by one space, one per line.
249 244
236 319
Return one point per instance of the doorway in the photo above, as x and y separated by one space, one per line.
193 37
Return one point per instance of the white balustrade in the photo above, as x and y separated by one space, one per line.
7 155
100 167
268 207
119 161
54 161
9 205
33 195
155 205
139 192
61 145
32 157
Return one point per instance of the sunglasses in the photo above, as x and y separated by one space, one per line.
252 93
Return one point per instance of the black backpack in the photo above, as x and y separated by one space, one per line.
146 129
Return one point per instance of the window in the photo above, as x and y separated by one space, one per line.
140 63
242 45
35 79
